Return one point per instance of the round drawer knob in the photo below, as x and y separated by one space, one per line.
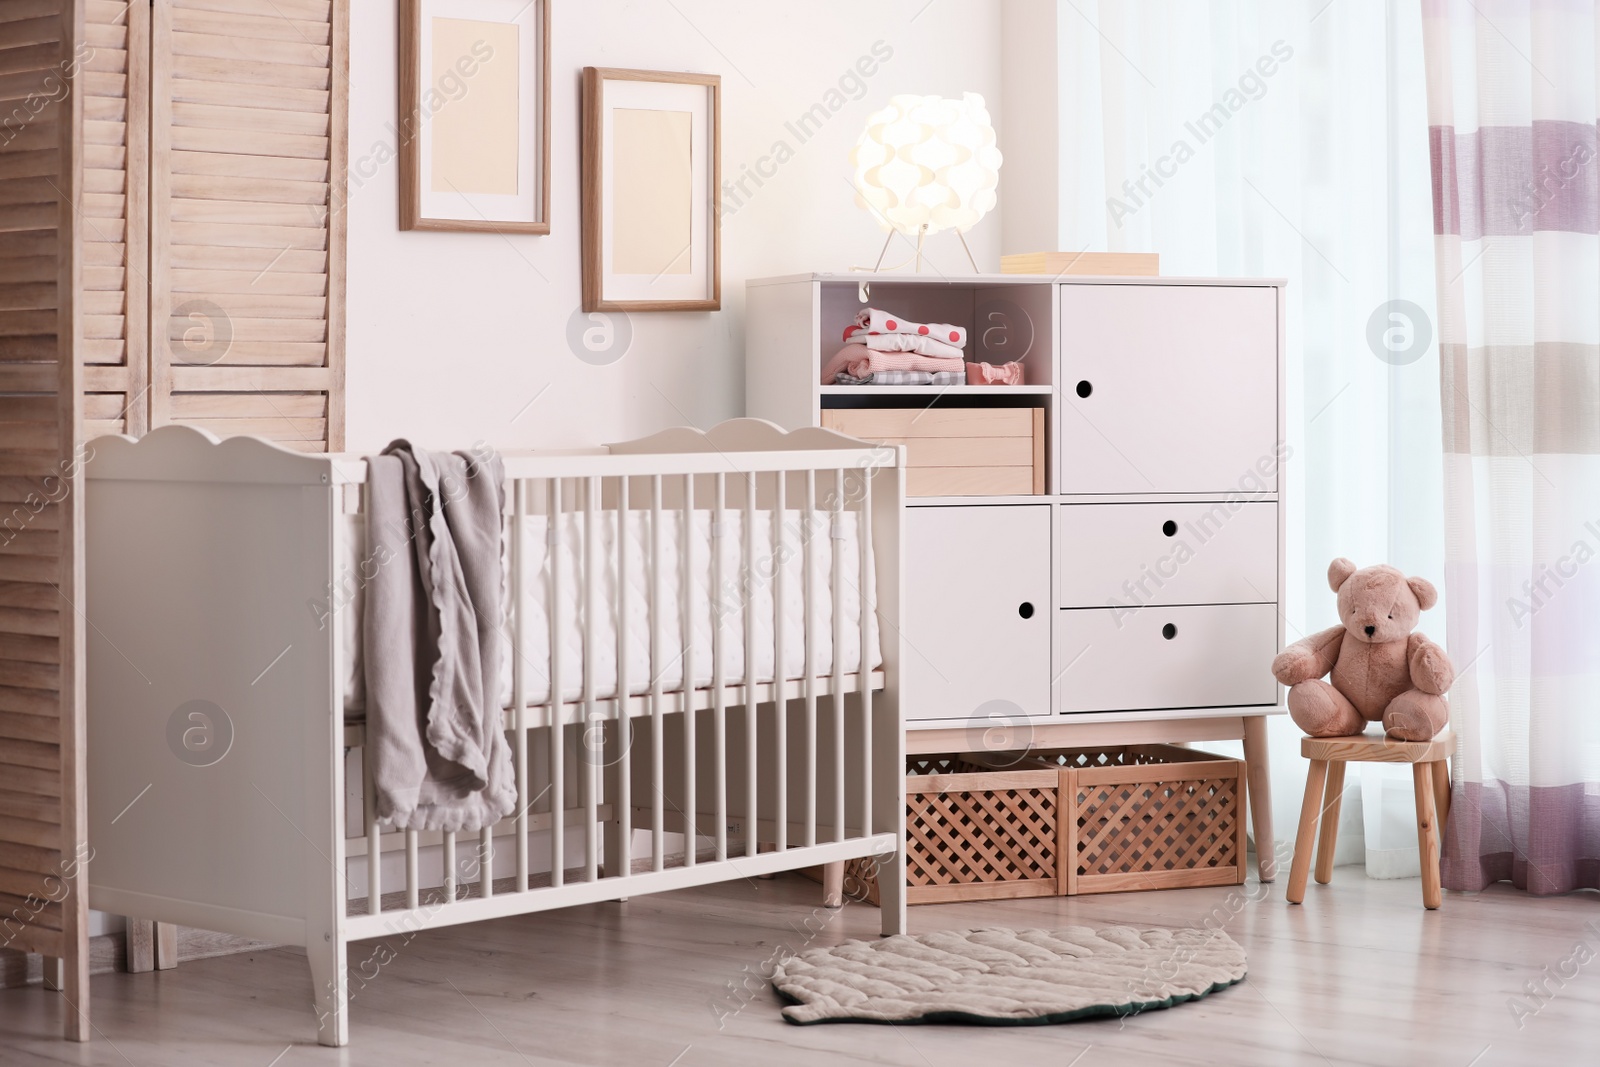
1169 631
1025 609
1084 389
1169 528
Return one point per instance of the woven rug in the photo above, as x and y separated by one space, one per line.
998 977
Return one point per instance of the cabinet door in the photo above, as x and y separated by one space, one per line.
1168 388
977 612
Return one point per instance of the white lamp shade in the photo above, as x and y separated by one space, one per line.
926 163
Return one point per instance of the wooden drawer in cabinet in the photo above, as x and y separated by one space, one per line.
1165 657
956 451
1137 554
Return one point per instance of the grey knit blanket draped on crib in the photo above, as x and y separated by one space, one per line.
432 640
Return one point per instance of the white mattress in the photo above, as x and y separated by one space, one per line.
566 554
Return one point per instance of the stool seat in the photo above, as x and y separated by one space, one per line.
1378 748
1430 776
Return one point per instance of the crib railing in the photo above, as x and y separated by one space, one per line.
755 768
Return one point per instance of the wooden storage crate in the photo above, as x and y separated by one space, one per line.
950 451
1150 817
1066 822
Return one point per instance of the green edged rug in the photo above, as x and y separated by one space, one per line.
999 977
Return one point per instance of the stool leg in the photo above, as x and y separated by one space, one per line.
1441 793
1332 796
1316 778
1427 834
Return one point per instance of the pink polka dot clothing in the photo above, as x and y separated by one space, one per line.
875 321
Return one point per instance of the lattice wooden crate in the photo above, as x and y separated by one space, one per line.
996 826
1150 817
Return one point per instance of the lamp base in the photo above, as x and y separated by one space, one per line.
917 256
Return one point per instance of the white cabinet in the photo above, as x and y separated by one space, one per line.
1148 553
1167 388
977 629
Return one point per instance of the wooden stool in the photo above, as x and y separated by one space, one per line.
1430 776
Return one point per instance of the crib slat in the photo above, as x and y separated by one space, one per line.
747 601
593 566
864 668
687 534
657 670
834 531
719 695
413 881
374 837
486 861
780 559
519 676
558 706
450 865
808 602
623 733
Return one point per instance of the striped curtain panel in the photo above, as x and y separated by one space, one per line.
1512 100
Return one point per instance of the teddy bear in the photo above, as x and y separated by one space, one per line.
1378 669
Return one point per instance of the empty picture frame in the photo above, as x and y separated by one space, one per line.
651 168
475 115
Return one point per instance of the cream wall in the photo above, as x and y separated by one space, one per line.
453 336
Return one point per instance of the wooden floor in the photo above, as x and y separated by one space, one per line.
1360 974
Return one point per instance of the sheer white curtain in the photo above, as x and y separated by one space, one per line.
1288 139
1514 94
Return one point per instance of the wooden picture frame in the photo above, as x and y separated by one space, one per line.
485 137
651 240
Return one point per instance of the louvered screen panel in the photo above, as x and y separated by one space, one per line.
247 141
42 900
115 222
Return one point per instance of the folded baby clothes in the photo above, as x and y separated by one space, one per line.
910 342
877 321
859 361
989 374
902 377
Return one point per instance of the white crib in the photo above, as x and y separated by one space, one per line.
227 789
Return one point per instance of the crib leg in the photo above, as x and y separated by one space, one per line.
892 892
833 885
330 992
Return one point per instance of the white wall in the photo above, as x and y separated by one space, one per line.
452 335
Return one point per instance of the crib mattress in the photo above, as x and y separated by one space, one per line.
688 590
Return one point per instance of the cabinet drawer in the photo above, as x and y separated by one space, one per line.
969 641
1136 554
1217 656
956 451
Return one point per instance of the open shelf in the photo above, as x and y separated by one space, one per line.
931 391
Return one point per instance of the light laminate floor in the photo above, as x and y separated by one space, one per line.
1358 975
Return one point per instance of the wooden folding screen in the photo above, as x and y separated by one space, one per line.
171 250
43 825
116 220
247 166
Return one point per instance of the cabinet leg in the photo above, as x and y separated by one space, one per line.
55 973
1332 798
1259 783
1305 839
